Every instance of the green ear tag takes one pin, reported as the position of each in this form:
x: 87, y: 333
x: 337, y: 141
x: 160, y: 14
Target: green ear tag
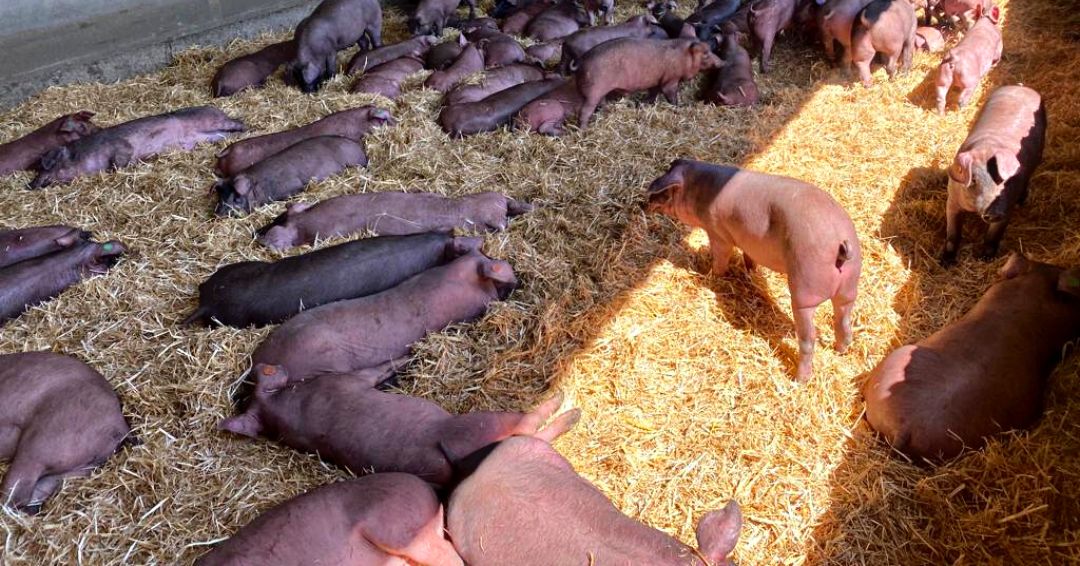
x: 107, y: 247
x: 1072, y: 281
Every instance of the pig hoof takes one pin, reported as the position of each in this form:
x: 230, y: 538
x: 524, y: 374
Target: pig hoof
x: 988, y: 253
x: 948, y: 258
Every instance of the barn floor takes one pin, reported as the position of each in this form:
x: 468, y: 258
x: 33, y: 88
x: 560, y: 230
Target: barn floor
x: 684, y: 379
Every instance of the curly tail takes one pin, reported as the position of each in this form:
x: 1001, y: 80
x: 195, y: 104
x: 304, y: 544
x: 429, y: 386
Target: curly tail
x: 843, y: 254
x: 198, y: 316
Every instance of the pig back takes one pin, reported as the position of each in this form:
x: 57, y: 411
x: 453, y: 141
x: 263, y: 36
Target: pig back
x: 1012, y: 121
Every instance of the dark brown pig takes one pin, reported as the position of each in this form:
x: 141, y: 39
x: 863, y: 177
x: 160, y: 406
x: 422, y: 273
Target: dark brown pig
x: 286, y: 173
x: 547, y: 53
x: 124, y: 144
x: 967, y: 63
x: 526, y: 505
x: 353, y: 124
x: 24, y: 154
x: 966, y: 12
x: 416, y: 47
x: 431, y: 16
x: 385, y: 80
x: 494, y: 80
x: 333, y: 26
x: 547, y: 114
x: 663, y: 14
x: 886, y: 27
x: 254, y: 293
x: 494, y: 111
x: 444, y: 54
x: 990, y: 173
x: 501, y: 50
x: 470, y: 61
x: 982, y: 375
x: 516, y: 23
x: 708, y: 18
x: 251, y: 70
x: 580, y: 42
x: 33, y: 281
x: 836, y: 19
x: 557, y: 21
x: 58, y: 419
x: 376, y: 519
x: 27, y: 243
x: 733, y: 83
x: 929, y: 39
x: 784, y: 224
x: 766, y: 19
x: 389, y: 214
x: 633, y: 64
x: 369, y: 331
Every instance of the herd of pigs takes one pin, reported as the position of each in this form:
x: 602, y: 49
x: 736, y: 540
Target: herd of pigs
x: 350, y: 313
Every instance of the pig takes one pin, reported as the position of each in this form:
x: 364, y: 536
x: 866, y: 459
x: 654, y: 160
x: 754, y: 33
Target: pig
x: 836, y: 19
x: 547, y: 53
x: 494, y: 111
x: 353, y: 124
x: 431, y: 16
x: 470, y: 61
x: 251, y: 70
x: 929, y: 8
x: 556, y: 22
x: 500, y: 51
x: 992, y: 168
x: 385, y: 80
x: 596, y: 8
x: 59, y: 419
x: 346, y: 420
x: 766, y: 19
x: 966, y: 12
x: 376, y: 519
x: 967, y: 63
x: 29, y: 243
x: 416, y: 48
x: 365, y: 332
x: 526, y: 505
x: 707, y: 18
x: 547, y: 114
x: 507, y: 8
x: 984, y: 374
x: 886, y: 27
x: 34, y: 281
x: 580, y: 42
x: 658, y: 65
x: 444, y: 54
x: 286, y: 173
x: 124, y: 144
x: 929, y: 39
x: 473, y: 25
x: 516, y: 23
x: 662, y: 13
x: 785, y: 224
x: 733, y: 83
x: 493, y: 81
x: 24, y: 154
x: 256, y: 293
x: 333, y: 26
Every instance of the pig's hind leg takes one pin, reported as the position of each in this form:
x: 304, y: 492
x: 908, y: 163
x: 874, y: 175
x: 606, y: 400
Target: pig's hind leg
x: 17, y: 489
x: 807, y: 336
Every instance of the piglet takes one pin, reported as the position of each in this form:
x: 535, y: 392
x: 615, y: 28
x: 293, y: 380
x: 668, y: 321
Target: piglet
x: 983, y: 374
x: 431, y: 16
x: 886, y: 27
x: 496, y: 110
x: 560, y: 20
x: 766, y: 19
x: 470, y: 61
x: 577, y: 44
x: 416, y: 48
x: 286, y: 173
x: 34, y: 281
x: 836, y: 19
x: 516, y: 23
x: 385, y: 80
x: 597, y: 8
x: 333, y: 26
x: 965, y: 11
x: 547, y: 53
x: 60, y: 419
x: 251, y: 70
x: 710, y: 16
x: 444, y: 54
x: 376, y: 519
x: 547, y: 114
x: 24, y: 154
x: 493, y: 81
x: 929, y: 39
x: 28, y: 243
x: 526, y: 505
x: 991, y: 171
x: 500, y: 50
x: 784, y: 224
x: 733, y: 83
x: 967, y: 63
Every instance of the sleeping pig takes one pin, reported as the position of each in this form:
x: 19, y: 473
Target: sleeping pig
x: 494, y: 111
x: 967, y: 63
x: 929, y: 39
x: 431, y: 16
x: 468, y: 62
x: 886, y: 27
x: 333, y: 26
x: 28, y: 243
x: 60, y: 419
x: 784, y: 224
x: 560, y: 20
x: 733, y: 83
x: 286, y: 173
x: 385, y: 80
x: 416, y: 47
x: 547, y: 114
x: 34, y: 281
x: 492, y: 81
x: 547, y: 53
x: 577, y: 44
x: 25, y: 153
x: 984, y: 374
x: 443, y: 55
x: 500, y: 49
x: 515, y: 23
x: 251, y: 70
x: 990, y: 173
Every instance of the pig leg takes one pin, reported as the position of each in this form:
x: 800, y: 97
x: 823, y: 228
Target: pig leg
x: 559, y: 425
x: 864, y: 73
x: 472, y: 8
x: 992, y: 242
x: 766, y: 51
x: 17, y: 489
x: 588, y: 106
x: 942, y: 93
x: 829, y: 43
x: 965, y: 96
x: 954, y: 225
x: 671, y: 92
x: 472, y: 431
x: 842, y: 308
x: 807, y: 335
x: 429, y: 547
x: 721, y: 250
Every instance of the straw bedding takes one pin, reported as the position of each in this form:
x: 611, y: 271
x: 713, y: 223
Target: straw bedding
x: 684, y: 379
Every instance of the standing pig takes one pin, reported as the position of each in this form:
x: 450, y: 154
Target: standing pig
x: 251, y: 70
x: 493, y: 81
x: 767, y: 18
x: 34, y: 281
x: 29, y: 243
x: 965, y: 11
x: 124, y: 144
x: 991, y: 171
x: 333, y: 26
x: 547, y: 114
x: 733, y: 83
x: 929, y: 39
x: 431, y: 16
x: 470, y: 61
x: 416, y: 48
x: 60, y: 419
x: 886, y: 27
x: 444, y: 54
x: 25, y: 153
x: 968, y: 62
x: 577, y: 44
x: 983, y: 374
x: 526, y: 505
x: 286, y: 173
x: 385, y: 80
x: 784, y: 224
x: 836, y: 19
x: 496, y: 110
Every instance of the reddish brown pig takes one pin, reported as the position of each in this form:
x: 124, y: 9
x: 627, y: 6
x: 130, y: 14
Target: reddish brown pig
x: 983, y: 374
x: 929, y: 39
x: 470, y: 61
x: 836, y: 19
x: 547, y: 53
x: 784, y: 224
x: 333, y: 26
x: 58, y: 419
x: 416, y: 48
x: 516, y: 23
x: 766, y: 19
x: 444, y: 54
x: 501, y: 50
x: 431, y: 16
x: 966, y: 12
x: 560, y: 20
x: 733, y: 83
x: 991, y: 171
x: 547, y: 114
x: 251, y: 70
x: 385, y: 80
x: 526, y: 505
x: 24, y: 154
x: 494, y: 111
x: 494, y: 80
x: 353, y: 124
x: 632, y: 64
x: 886, y: 27
x: 580, y: 42
x: 967, y: 63
x: 377, y: 519
x: 28, y: 243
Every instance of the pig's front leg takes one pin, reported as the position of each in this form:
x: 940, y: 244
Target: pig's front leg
x: 17, y: 489
x: 807, y: 335
x: 721, y: 249
x: 954, y: 224
x: 671, y: 92
x: 992, y: 242
x: 965, y: 96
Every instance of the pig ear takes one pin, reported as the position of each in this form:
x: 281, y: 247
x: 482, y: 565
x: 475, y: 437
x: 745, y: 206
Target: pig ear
x: 269, y: 378
x: 67, y: 240
x: 462, y: 40
x: 994, y: 15
x: 961, y: 169
x: 1003, y: 166
x: 1016, y: 265
x: 717, y: 532
x: 296, y: 207
x: 1069, y: 282
x: 246, y: 424
x: 72, y: 123
x: 497, y: 270
x: 52, y: 158
x: 241, y: 185
x: 463, y: 245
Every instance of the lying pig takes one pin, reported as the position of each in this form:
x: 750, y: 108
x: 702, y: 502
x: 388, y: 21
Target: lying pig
x: 333, y: 26
x: 24, y: 154
x: 710, y: 16
x: 389, y: 214
x: 547, y: 114
x: 886, y: 27
x: 60, y: 419
x: 766, y: 19
x: 983, y: 374
x: 28, y: 243
x: 416, y: 48
x: 431, y: 16
x: 991, y: 171
x: 837, y: 17
x: 967, y: 63
x: 34, y: 281
x: 500, y: 51
x: 658, y: 64
x: 385, y: 80
x: 733, y: 83
x: 473, y: 25
x: 286, y: 173
x: 494, y: 111
x: 596, y: 8
x: 251, y: 70
x: 965, y: 11
x: 346, y: 420
x: 523, y: 482
x: 470, y: 61
x: 547, y: 53
x: 494, y: 80
x: 557, y: 21
x: 369, y: 331
x: 376, y: 519
x: 255, y: 293
x: 444, y: 54
x: 516, y: 23
x: 580, y: 42
x: 784, y: 224
x: 929, y: 39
